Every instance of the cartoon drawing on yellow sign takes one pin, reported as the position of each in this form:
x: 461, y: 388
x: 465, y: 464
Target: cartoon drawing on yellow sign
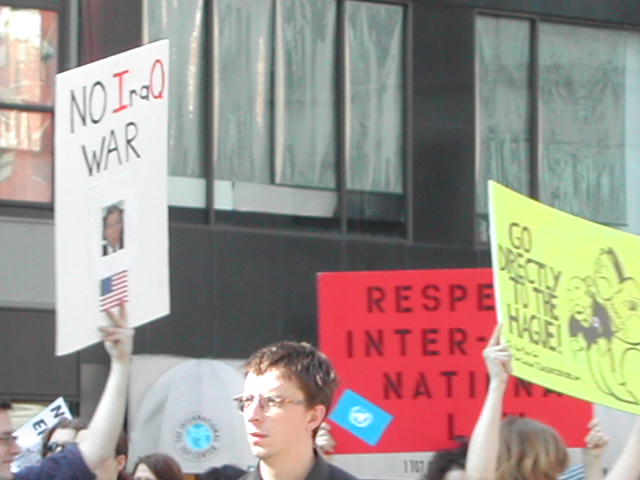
x: 571, y: 310
x: 604, y: 306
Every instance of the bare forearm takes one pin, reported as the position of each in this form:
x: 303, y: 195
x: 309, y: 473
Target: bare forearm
x: 108, y: 419
x: 482, y: 455
x: 627, y: 466
x: 592, y: 466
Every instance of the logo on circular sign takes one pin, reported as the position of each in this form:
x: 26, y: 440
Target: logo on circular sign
x: 360, y: 417
x: 197, y: 437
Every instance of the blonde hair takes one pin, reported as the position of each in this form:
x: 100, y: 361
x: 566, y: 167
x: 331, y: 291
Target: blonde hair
x: 530, y: 450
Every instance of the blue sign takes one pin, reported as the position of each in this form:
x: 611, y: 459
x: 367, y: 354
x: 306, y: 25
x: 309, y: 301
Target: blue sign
x: 362, y: 418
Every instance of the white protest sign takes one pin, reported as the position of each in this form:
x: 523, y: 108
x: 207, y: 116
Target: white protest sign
x: 30, y: 434
x: 111, y: 193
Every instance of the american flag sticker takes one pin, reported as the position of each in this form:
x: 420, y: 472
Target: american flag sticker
x: 114, y: 290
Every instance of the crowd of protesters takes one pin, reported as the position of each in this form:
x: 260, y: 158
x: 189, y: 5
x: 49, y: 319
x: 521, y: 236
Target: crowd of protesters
x: 288, y: 391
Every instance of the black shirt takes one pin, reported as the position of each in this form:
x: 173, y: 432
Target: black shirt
x: 321, y: 470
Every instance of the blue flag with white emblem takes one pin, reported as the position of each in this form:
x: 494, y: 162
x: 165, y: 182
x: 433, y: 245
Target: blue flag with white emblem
x: 362, y: 418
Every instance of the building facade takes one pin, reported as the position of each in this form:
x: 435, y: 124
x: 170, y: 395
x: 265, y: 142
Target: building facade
x: 310, y: 136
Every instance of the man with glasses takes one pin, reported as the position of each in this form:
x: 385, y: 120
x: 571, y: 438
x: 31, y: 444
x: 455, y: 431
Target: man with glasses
x: 288, y: 391
x: 9, y: 448
x: 113, y: 230
x: 80, y: 461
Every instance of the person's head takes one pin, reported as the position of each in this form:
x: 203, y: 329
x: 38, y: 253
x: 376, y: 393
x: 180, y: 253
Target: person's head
x: 288, y: 389
x: 530, y: 450
x: 580, y: 300
x: 157, y: 466
x: 447, y: 464
x: 61, y: 434
x: 113, y: 226
x: 626, y: 309
x: 9, y: 449
x: 112, y: 468
x: 607, y: 274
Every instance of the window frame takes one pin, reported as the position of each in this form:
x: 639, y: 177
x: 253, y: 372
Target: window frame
x: 229, y: 199
x: 31, y: 209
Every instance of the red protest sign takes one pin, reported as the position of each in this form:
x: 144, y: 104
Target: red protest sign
x: 410, y: 343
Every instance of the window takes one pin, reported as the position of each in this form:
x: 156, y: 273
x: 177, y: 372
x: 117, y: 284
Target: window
x: 583, y: 91
x: 374, y: 97
x: 276, y: 136
x: 504, y: 109
x: 374, y: 83
x: 558, y: 125
x: 28, y: 64
x: 307, y: 102
x: 183, y: 23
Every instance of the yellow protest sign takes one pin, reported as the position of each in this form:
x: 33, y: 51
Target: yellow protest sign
x: 568, y: 298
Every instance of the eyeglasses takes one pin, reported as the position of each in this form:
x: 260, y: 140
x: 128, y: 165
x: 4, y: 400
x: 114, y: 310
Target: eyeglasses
x: 8, y: 438
x: 53, y: 447
x: 266, y: 402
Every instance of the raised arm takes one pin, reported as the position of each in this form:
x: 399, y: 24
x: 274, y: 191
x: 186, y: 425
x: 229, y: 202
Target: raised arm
x: 596, y: 441
x: 99, y: 444
x: 627, y: 466
x: 482, y: 455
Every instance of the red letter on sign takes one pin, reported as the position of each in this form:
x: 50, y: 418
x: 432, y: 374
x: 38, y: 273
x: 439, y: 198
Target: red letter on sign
x: 120, y: 76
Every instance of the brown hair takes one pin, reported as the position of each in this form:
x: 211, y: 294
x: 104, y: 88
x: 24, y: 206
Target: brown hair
x: 530, y: 450
x: 163, y: 466
x: 302, y: 363
x: 445, y: 461
x: 76, y: 424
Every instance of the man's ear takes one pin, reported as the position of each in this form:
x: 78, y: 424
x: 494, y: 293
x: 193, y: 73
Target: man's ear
x: 316, y: 416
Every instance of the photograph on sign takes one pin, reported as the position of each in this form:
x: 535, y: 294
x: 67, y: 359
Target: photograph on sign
x: 111, y: 228
x: 113, y: 231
